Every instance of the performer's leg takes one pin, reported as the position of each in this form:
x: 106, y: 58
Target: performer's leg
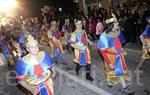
x: 88, y: 72
x: 56, y: 59
x: 77, y: 68
x: 139, y: 67
x: 67, y: 47
x: 63, y: 59
x: 97, y: 37
x: 142, y: 39
x: 124, y: 86
x: 123, y: 83
x: 72, y: 49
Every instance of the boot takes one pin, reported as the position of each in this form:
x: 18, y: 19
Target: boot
x: 64, y: 63
x: 110, y: 84
x: 56, y: 62
x: 88, y: 77
x: 88, y: 70
x: 68, y: 48
x: 77, y: 69
x: 77, y: 72
x: 128, y: 91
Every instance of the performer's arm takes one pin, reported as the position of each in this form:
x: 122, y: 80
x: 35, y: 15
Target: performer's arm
x: 104, y: 53
x: 78, y: 46
x: 52, y: 69
x: 53, y: 72
x: 50, y: 38
x: 21, y: 70
x: 74, y: 44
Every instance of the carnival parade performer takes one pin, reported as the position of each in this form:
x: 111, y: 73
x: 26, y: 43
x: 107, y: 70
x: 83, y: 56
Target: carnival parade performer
x: 67, y: 29
x: 33, y: 71
x: 79, y: 42
x: 110, y: 48
x: 145, y: 39
x: 7, y: 51
x: 3, y: 60
x: 54, y: 39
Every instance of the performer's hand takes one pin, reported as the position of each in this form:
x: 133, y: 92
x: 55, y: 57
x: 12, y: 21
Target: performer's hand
x: 90, y: 42
x: 84, y: 48
x: 53, y: 75
x: 145, y: 47
x: 111, y: 66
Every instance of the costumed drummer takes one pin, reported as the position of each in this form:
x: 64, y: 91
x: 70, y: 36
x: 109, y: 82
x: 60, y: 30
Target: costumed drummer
x: 33, y: 71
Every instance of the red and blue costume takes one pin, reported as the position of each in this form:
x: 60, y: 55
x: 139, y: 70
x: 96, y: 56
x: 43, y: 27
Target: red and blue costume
x: 111, y: 50
x: 78, y: 41
x: 24, y: 68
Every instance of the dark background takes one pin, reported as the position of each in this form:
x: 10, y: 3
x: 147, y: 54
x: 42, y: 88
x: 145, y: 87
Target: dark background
x: 30, y: 8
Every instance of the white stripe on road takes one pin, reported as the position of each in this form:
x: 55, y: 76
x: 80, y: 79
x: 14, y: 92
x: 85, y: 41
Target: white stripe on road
x: 83, y: 83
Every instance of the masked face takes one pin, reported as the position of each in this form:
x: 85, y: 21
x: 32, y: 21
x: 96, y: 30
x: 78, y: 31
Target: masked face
x: 115, y: 27
x: 54, y: 23
x: 79, y: 25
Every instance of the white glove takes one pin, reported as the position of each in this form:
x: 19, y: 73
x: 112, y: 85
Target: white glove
x: 84, y: 48
x: 111, y: 66
x: 53, y: 75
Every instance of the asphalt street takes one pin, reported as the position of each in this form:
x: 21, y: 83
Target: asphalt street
x: 67, y: 83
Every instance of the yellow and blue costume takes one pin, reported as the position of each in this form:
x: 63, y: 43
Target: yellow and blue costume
x: 34, y: 70
x: 55, y: 44
x: 145, y: 38
x: 110, y: 48
x: 25, y: 68
x: 78, y: 41
x: 146, y: 43
x: 7, y: 51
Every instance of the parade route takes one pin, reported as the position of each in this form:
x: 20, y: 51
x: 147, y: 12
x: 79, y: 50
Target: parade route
x: 67, y: 83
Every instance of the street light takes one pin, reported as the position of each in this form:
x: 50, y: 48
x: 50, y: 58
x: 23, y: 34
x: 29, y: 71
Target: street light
x: 7, y: 10
x: 7, y: 5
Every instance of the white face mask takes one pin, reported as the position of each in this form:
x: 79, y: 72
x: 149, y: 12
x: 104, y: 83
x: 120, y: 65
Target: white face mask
x: 34, y: 50
x: 116, y: 26
x: 79, y: 25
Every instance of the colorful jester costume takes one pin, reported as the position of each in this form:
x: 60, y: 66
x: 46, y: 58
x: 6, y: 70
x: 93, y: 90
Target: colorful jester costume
x: 35, y: 70
x: 79, y: 42
x: 7, y: 51
x: 67, y: 29
x: 3, y: 60
x: 110, y: 48
x: 55, y: 44
x: 145, y: 37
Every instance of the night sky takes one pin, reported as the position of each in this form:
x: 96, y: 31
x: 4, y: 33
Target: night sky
x: 32, y: 7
